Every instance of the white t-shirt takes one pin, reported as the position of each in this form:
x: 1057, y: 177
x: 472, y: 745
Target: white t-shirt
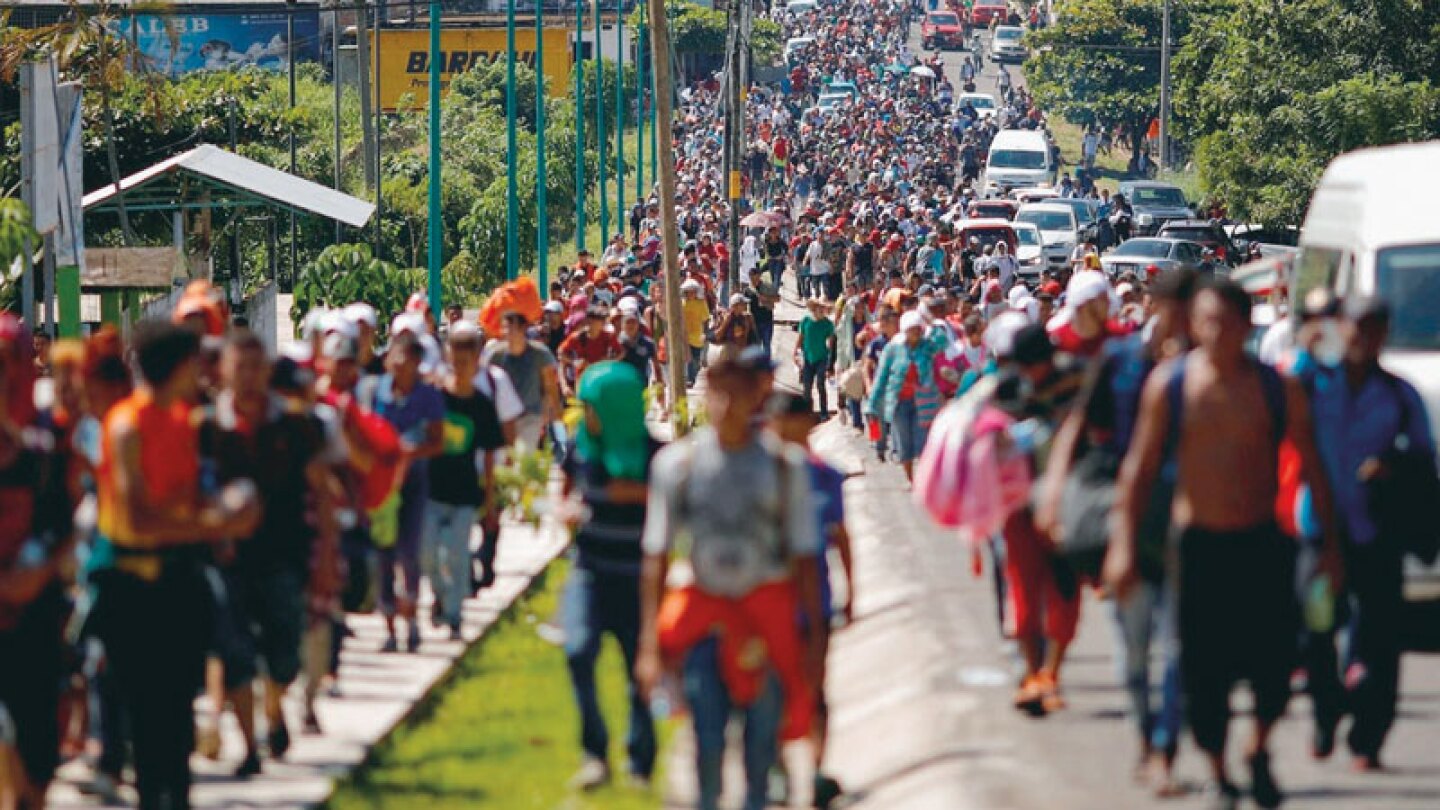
x: 495, y: 383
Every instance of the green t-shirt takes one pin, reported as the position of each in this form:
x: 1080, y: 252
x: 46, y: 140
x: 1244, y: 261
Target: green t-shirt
x: 815, y: 339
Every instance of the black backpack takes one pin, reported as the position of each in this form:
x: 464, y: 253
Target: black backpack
x: 1404, y: 499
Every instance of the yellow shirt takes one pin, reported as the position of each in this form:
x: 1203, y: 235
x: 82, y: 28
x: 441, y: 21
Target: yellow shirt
x: 697, y: 313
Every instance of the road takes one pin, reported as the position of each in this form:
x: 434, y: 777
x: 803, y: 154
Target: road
x: 920, y: 685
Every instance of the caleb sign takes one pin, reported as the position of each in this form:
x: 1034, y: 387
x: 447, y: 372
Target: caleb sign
x: 403, y: 59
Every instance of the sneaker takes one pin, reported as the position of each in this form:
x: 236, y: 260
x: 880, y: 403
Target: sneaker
x: 1262, y: 783
x: 638, y: 782
x: 390, y: 645
x: 1366, y: 763
x: 412, y: 642
x: 249, y: 767
x: 1221, y: 796
x: 593, y: 774
x: 279, y: 740
x: 455, y: 634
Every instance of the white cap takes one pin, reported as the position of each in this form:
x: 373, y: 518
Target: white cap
x: 361, y: 312
x: 554, y: 306
x: 628, y: 306
x: 690, y: 285
x: 1017, y: 297
x: 314, y: 323
x: 911, y: 320
x: 1086, y: 286
x: 464, y: 329
x: 335, y: 322
x: 1000, y: 334
x: 1124, y: 289
x: 412, y: 322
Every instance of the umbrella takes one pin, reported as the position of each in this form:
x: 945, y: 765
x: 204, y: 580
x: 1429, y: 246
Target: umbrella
x: 765, y: 219
x: 921, y: 70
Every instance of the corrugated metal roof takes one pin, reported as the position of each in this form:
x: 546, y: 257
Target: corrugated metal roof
x: 250, y: 177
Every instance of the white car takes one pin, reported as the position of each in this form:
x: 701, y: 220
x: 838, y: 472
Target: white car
x: 828, y: 102
x: 1031, y: 252
x: 797, y: 7
x: 1006, y: 45
x: 984, y: 103
x: 1058, y: 229
x: 795, y: 45
x: 1034, y: 194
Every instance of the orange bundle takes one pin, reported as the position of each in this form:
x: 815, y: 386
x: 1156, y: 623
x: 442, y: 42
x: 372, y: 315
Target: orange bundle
x: 520, y: 296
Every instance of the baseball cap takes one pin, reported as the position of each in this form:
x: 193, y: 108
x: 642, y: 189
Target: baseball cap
x: 1086, y: 286
x: 911, y: 320
x: 362, y: 313
x: 755, y: 359
x: 340, y: 347
x: 554, y: 306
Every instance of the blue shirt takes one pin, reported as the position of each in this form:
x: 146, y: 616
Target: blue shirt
x: 1353, y: 426
x: 828, y: 485
x: 411, y: 416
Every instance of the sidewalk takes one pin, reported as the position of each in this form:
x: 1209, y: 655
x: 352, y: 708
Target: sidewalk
x: 377, y: 693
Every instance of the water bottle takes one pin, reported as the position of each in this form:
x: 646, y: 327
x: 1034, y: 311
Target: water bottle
x: 660, y: 703
x: 1030, y: 434
x: 1319, y: 605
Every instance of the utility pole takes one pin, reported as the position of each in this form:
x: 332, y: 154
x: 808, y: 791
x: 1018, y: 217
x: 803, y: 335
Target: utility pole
x: 640, y: 110
x: 381, y: 15
x: 362, y: 62
x: 335, y: 85
x: 1165, y: 86
x: 734, y: 140
x: 290, y: 64
x: 669, y: 232
x: 433, y: 255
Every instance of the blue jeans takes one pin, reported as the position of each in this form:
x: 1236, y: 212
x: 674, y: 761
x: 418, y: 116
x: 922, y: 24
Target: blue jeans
x: 905, y: 427
x: 1149, y: 614
x: 710, y: 709
x: 596, y: 603
x: 446, y: 555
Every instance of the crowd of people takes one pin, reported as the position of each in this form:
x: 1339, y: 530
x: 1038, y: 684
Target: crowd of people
x: 190, y: 513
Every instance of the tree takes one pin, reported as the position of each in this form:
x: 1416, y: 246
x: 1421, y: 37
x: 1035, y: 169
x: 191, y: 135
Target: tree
x: 1270, y: 99
x: 346, y: 273
x: 85, y: 47
x: 1099, y: 65
x: 15, y: 230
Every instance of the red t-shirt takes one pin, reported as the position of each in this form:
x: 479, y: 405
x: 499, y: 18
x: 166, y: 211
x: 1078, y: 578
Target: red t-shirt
x: 912, y: 381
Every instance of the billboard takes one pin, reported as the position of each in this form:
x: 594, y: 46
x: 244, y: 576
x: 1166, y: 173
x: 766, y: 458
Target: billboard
x: 403, y: 56
x: 222, y: 41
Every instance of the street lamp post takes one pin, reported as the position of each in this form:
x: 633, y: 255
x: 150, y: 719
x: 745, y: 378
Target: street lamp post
x: 579, y: 128
x: 620, y: 113
x: 436, y: 235
x: 512, y: 196
x: 542, y: 177
x: 640, y: 109
x: 603, y: 154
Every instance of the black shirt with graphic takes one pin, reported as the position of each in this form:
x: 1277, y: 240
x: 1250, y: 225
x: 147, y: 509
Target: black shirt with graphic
x: 471, y: 425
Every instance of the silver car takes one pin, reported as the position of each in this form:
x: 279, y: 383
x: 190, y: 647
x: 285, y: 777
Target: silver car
x: 1138, y: 255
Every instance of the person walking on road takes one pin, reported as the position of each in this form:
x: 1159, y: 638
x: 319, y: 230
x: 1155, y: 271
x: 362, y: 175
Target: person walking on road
x: 1361, y: 413
x: 1237, y: 614
x: 609, y: 473
x: 815, y: 352
x: 737, y: 504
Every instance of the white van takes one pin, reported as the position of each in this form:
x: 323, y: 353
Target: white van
x: 1371, y: 230
x: 1018, y: 157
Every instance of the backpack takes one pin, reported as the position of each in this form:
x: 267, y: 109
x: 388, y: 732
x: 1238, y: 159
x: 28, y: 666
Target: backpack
x: 1404, y: 499
x: 380, y: 468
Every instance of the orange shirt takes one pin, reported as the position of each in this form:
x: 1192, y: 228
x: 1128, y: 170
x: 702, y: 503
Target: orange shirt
x: 169, y: 465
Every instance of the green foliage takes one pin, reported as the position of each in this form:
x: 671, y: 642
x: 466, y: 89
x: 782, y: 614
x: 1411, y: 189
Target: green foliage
x: 15, y: 229
x: 1269, y: 99
x: 1100, y: 64
x: 345, y: 273
x: 695, y: 29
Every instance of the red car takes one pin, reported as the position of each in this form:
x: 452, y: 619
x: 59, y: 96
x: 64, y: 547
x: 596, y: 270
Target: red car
x: 942, y: 29
x: 992, y: 209
x: 983, y: 13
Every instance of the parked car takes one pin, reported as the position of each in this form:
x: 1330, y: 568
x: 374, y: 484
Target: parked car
x: 1207, y: 233
x: 1006, y: 45
x: 1031, y: 252
x: 992, y: 209
x: 984, y: 103
x: 1140, y: 254
x: 843, y: 87
x: 941, y: 29
x: 1155, y: 203
x: 1058, y: 229
x: 986, y: 10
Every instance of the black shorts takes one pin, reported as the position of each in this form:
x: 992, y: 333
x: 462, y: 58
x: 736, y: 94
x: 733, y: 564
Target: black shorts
x: 30, y: 668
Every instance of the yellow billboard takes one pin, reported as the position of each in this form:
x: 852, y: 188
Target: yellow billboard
x: 403, y: 56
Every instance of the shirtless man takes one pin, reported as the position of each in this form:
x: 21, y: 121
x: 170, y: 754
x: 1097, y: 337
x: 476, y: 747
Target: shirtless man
x: 1213, y: 419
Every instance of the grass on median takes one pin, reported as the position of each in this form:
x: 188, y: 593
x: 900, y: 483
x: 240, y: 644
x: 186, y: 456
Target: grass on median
x: 503, y: 731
